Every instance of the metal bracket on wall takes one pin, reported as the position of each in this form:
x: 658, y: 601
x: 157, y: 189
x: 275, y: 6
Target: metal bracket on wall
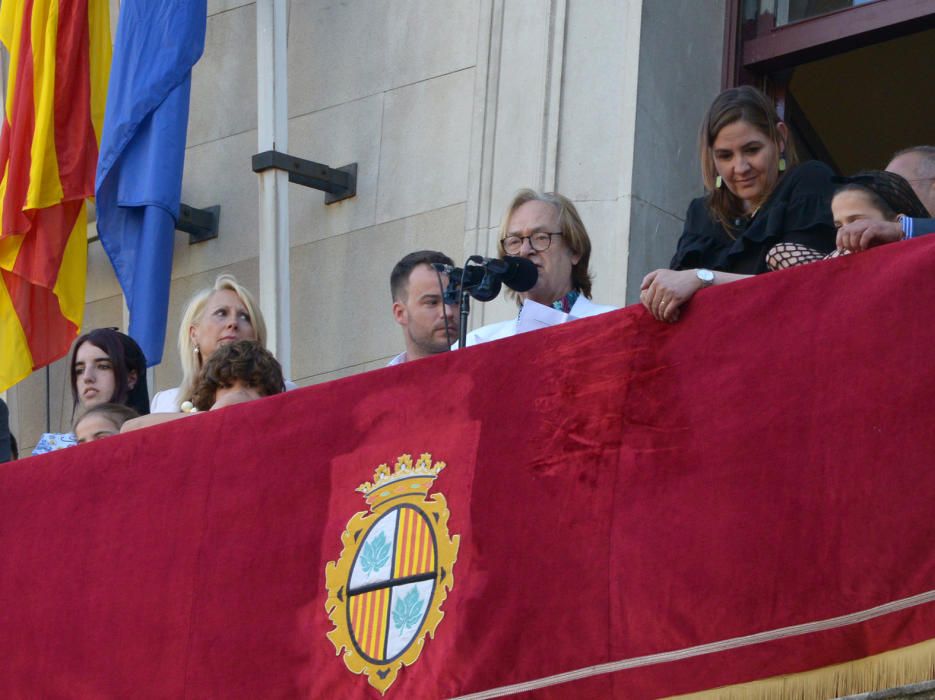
x: 336, y: 183
x: 199, y: 224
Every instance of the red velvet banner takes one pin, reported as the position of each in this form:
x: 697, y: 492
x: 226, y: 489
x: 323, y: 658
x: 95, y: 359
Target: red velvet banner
x: 648, y: 509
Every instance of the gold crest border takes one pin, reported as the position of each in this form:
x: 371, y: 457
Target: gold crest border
x: 337, y: 575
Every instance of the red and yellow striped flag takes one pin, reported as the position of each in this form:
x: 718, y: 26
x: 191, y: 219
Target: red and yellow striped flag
x: 54, y: 110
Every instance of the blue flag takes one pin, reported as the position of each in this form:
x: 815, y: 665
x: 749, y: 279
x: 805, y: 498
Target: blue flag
x: 139, y: 171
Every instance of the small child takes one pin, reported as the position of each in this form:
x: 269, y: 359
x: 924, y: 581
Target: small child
x: 101, y: 421
x: 237, y: 372
x: 877, y: 195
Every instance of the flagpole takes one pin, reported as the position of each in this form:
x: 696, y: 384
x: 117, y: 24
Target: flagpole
x: 272, y: 135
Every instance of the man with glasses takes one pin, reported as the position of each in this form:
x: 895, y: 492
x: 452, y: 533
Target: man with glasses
x: 429, y: 325
x: 917, y: 166
x: 546, y: 229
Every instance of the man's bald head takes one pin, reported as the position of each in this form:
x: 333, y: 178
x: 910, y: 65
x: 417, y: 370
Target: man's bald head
x: 917, y: 165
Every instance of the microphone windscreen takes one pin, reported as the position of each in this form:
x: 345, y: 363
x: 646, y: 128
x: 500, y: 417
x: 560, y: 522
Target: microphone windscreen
x: 521, y: 274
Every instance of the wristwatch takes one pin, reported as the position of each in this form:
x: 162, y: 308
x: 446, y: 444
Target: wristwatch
x: 706, y: 277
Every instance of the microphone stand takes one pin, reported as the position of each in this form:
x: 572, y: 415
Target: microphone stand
x: 465, y: 310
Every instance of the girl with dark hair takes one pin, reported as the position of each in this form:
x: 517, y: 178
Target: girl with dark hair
x: 106, y: 367
x: 871, y: 195
x: 888, y: 194
x: 757, y: 195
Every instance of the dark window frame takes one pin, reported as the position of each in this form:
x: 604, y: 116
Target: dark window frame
x: 772, y: 48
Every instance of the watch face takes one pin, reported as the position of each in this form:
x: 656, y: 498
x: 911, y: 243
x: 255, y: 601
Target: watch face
x: 705, y: 276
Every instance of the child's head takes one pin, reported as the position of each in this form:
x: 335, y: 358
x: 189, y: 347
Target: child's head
x: 876, y: 195
x: 102, y: 420
x: 242, y: 365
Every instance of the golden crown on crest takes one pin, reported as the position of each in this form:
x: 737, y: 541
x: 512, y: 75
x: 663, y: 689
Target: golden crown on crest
x: 406, y: 479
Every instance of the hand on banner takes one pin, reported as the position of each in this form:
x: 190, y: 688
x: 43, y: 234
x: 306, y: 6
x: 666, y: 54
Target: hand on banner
x: 664, y: 291
x: 864, y: 233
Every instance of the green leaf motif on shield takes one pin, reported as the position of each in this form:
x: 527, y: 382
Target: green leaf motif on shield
x: 407, y: 612
x: 375, y: 554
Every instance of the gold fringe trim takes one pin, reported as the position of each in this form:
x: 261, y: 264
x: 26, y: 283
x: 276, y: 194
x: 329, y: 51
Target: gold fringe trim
x: 890, y: 669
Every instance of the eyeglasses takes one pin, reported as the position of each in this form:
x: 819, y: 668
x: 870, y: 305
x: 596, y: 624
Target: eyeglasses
x: 540, y: 241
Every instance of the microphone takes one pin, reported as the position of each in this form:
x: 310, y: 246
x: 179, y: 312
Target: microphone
x: 517, y: 273
x: 482, y: 279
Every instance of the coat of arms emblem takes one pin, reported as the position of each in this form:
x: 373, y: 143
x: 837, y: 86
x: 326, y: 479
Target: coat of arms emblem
x: 386, y: 590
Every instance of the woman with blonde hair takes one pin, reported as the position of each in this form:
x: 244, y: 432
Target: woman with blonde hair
x: 215, y: 316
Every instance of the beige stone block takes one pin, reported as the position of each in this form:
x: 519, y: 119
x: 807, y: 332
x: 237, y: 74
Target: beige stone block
x: 114, y: 7
x: 60, y: 399
x: 218, y: 6
x: 609, y: 246
x: 678, y: 81
x: 654, y: 234
x: 425, y: 145
x: 102, y: 281
x: 337, y: 52
x: 348, y: 133
x: 518, y: 154
x: 223, y: 100
x: 219, y: 172
x: 592, y: 127
x: 341, y: 306
x: 427, y: 38
x: 104, y: 313
x: 27, y: 402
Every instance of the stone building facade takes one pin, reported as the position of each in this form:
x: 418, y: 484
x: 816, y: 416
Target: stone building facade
x: 447, y: 108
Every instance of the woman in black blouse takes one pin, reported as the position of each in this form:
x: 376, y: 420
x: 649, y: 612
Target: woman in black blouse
x: 757, y: 196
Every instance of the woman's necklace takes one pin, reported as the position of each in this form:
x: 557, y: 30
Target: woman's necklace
x: 742, y: 222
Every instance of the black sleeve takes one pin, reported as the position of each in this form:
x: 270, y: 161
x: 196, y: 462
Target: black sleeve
x: 5, y: 452
x: 695, y: 241
x: 802, y: 211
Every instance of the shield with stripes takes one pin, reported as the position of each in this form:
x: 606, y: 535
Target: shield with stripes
x: 387, y: 587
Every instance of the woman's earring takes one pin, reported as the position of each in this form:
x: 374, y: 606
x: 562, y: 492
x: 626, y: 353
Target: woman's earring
x: 718, y: 182
x: 197, y: 350
x: 782, y: 164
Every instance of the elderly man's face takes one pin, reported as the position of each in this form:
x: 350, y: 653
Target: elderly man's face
x: 911, y: 167
x: 554, y: 264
